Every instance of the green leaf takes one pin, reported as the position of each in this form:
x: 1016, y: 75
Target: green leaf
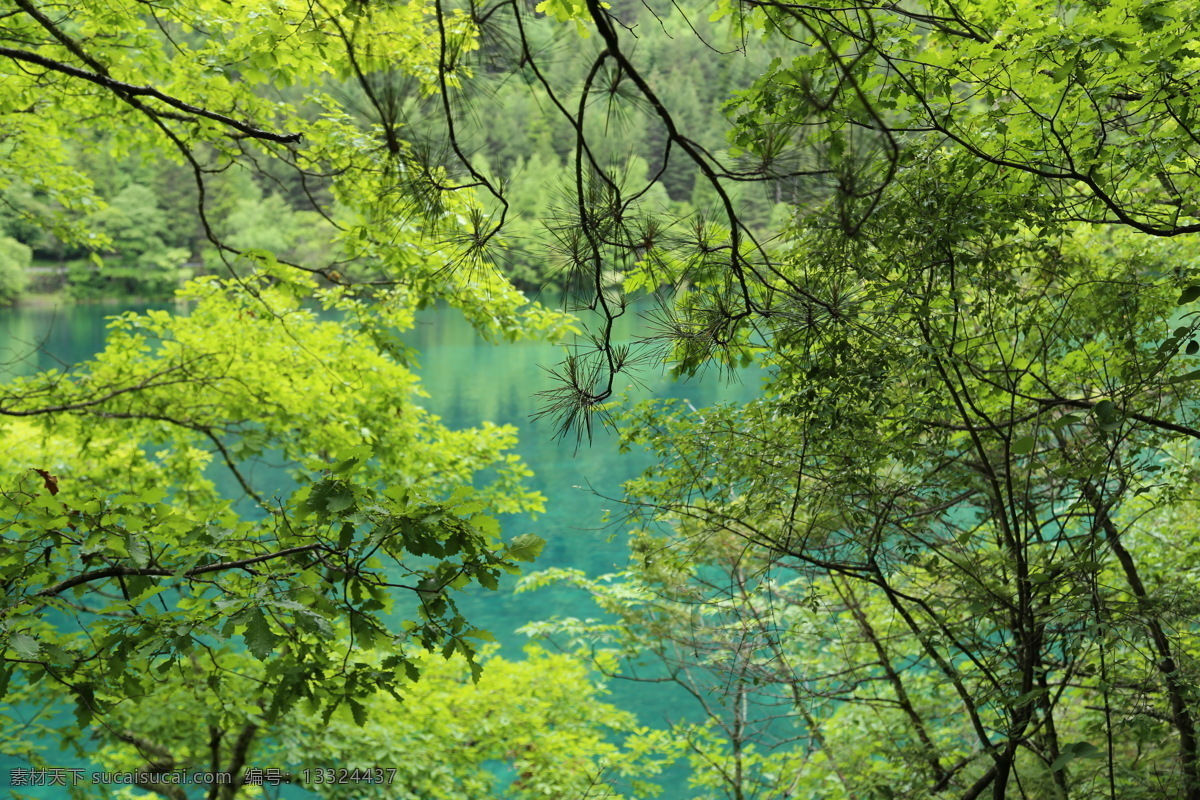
x: 351, y: 458
x: 1106, y: 414
x: 85, y: 704
x: 358, y: 710
x: 526, y: 547
x: 1029, y: 697
x: 487, y: 580
x: 1073, y: 751
x: 330, y: 496
x: 1188, y: 295
x: 260, y: 639
x: 346, y: 536
x: 1023, y: 446
x: 25, y: 646
x: 1187, y: 376
x: 1065, y: 420
x: 137, y: 550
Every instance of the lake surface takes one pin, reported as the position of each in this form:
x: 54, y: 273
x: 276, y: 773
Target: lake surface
x: 469, y: 381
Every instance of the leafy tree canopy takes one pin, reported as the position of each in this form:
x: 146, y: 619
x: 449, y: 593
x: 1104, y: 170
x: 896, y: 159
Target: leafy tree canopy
x: 958, y: 517
x: 126, y: 568
x: 948, y: 547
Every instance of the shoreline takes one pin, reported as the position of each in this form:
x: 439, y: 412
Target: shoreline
x: 61, y: 299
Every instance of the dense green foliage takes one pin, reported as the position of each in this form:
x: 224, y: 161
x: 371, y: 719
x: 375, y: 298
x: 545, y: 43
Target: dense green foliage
x: 950, y: 550
x: 117, y: 494
x: 141, y: 211
x: 951, y: 547
x: 126, y: 570
x: 441, y: 742
x: 15, y: 259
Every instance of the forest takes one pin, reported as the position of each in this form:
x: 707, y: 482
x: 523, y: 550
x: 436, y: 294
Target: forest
x: 945, y: 547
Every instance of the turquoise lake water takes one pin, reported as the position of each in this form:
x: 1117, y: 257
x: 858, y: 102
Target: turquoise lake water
x: 469, y: 381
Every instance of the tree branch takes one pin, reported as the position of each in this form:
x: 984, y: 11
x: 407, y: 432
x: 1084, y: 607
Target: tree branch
x: 122, y: 571
x: 128, y: 92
